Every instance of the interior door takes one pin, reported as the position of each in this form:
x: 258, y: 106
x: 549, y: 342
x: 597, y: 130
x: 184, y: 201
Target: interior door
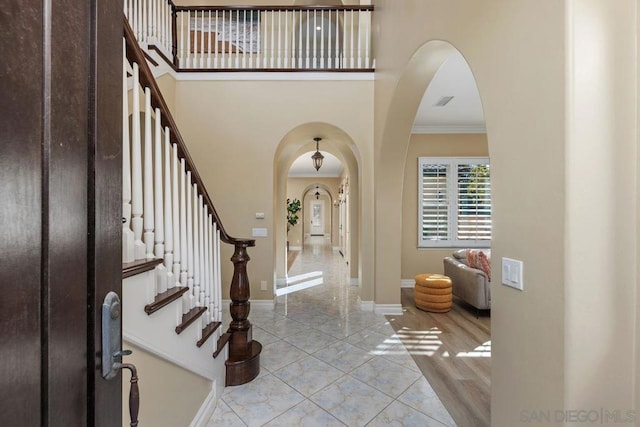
x: 60, y: 169
x: 317, y: 218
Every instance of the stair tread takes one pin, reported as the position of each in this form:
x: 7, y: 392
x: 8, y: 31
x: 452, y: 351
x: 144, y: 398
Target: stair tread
x: 136, y: 267
x: 207, y: 332
x: 165, y: 298
x: 190, y: 317
x: 222, y: 341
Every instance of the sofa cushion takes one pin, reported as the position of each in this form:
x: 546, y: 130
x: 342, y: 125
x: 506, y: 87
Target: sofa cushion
x: 461, y: 255
x: 480, y: 260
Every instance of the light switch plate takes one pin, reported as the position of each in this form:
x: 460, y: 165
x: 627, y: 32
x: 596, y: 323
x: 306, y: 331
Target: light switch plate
x: 512, y: 273
x: 259, y: 215
x: 259, y: 232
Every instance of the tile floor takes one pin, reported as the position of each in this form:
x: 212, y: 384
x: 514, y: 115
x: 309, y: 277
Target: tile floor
x: 327, y: 363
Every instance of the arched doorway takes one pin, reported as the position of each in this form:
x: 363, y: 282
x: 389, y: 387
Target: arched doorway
x: 299, y: 142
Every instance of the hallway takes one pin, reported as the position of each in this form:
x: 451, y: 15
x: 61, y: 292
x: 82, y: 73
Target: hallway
x: 325, y: 362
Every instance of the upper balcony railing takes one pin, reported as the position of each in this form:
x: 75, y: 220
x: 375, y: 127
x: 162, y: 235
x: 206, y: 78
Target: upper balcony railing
x: 247, y: 38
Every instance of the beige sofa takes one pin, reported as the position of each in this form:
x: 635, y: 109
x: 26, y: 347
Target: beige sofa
x: 469, y: 284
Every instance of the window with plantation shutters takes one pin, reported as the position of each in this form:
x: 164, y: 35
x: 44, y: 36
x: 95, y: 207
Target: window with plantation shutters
x: 454, y: 202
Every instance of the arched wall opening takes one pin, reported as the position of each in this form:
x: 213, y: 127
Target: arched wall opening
x: 295, y: 143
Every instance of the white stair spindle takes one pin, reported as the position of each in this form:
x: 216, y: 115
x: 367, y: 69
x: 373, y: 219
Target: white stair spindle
x: 196, y: 247
x: 147, y: 191
x: 224, y: 39
x: 273, y: 40
x: 215, y: 48
x: 203, y: 244
x: 322, y: 64
x: 144, y: 23
x: 336, y: 63
x: 150, y: 23
x: 351, y: 31
x: 175, y: 199
x: 218, y: 276
x: 251, y: 41
x: 188, y: 60
x: 181, y: 42
x: 207, y: 263
x: 127, y: 234
x: 195, y: 40
x: 367, y: 38
x: 307, y: 63
x: 293, y: 61
x: 202, y: 49
x: 359, y: 40
x: 244, y: 39
x: 190, y: 241
x: 137, y: 207
x: 279, y: 39
x: 214, y: 271
x: 265, y: 45
x: 286, y: 39
x: 209, y: 40
x: 329, y: 55
x: 184, y: 257
x: 161, y: 271
x: 168, y: 212
x: 315, y: 39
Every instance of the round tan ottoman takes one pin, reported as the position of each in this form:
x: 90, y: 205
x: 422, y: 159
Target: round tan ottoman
x: 433, y: 293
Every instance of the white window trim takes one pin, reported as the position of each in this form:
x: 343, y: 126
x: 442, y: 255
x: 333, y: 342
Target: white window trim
x: 452, y: 163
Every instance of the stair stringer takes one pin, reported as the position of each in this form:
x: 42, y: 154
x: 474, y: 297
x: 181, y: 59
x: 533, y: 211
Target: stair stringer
x: 156, y: 334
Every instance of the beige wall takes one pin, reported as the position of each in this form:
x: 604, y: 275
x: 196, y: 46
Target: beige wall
x: 169, y: 395
x: 234, y: 130
x: 422, y: 260
x: 566, y: 340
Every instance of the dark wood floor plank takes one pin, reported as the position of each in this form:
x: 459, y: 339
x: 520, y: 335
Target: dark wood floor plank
x: 445, y: 347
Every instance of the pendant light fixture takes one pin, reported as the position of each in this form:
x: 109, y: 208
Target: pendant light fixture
x: 317, y: 156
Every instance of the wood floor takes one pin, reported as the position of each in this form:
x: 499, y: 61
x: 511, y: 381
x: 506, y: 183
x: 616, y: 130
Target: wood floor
x: 453, y: 352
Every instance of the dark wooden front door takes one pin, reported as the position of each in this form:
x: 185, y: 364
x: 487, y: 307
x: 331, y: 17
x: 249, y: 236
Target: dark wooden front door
x: 60, y: 208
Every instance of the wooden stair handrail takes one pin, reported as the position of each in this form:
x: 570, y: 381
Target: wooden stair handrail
x: 135, y: 54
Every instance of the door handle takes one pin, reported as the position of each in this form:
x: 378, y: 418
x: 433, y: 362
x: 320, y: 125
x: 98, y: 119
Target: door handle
x: 112, y: 352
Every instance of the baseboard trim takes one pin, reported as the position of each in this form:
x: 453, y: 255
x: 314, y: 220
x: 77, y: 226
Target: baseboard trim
x: 206, y: 409
x: 390, y: 309
x: 367, y: 305
x: 407, y: 283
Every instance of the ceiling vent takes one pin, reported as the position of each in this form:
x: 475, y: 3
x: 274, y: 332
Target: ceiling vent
x: 443, y: 101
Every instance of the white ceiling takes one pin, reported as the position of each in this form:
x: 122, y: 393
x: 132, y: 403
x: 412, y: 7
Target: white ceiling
x: 463, y: 114
x: 302, y: 167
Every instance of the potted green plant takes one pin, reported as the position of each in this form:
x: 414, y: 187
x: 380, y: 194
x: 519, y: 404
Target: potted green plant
x: 293, y: 207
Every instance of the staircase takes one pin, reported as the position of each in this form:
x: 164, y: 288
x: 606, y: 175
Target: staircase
x: 172, y: 290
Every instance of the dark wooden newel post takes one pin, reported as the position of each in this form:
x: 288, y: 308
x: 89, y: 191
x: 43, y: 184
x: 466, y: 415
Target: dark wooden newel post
x: 243, y: 364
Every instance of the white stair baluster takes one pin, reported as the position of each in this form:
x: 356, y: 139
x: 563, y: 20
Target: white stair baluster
x: 161, y: 271
x: 273, y: 40
x: 188, y: 63
x: 286, y: 39
x: 367, y: 38
x: 175, y: 199
x: 207, y: 263
x: 315, y: 39
x: 218, y: 273
x: 127, y: 234
x: 336, y: 63
x: 224, y: 39
x: 136, y: 170
x: 209, y: 40
x: 190, y: 241
x: 181, y: 53
x: 279, y: 39
x: 195, y: 40
x: 214, y: 269
x: 251, y: 65
x: 351, y: 31
x: 307, y: 63
x: 196, y: 247
x: 359, y: 40
x: 184, y: 257
x: 147, y: 191
x: 216, y: 41
x: 322, y: 64
x: 168, y: 212
x: 329, y: 55
x: 202, y: 244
